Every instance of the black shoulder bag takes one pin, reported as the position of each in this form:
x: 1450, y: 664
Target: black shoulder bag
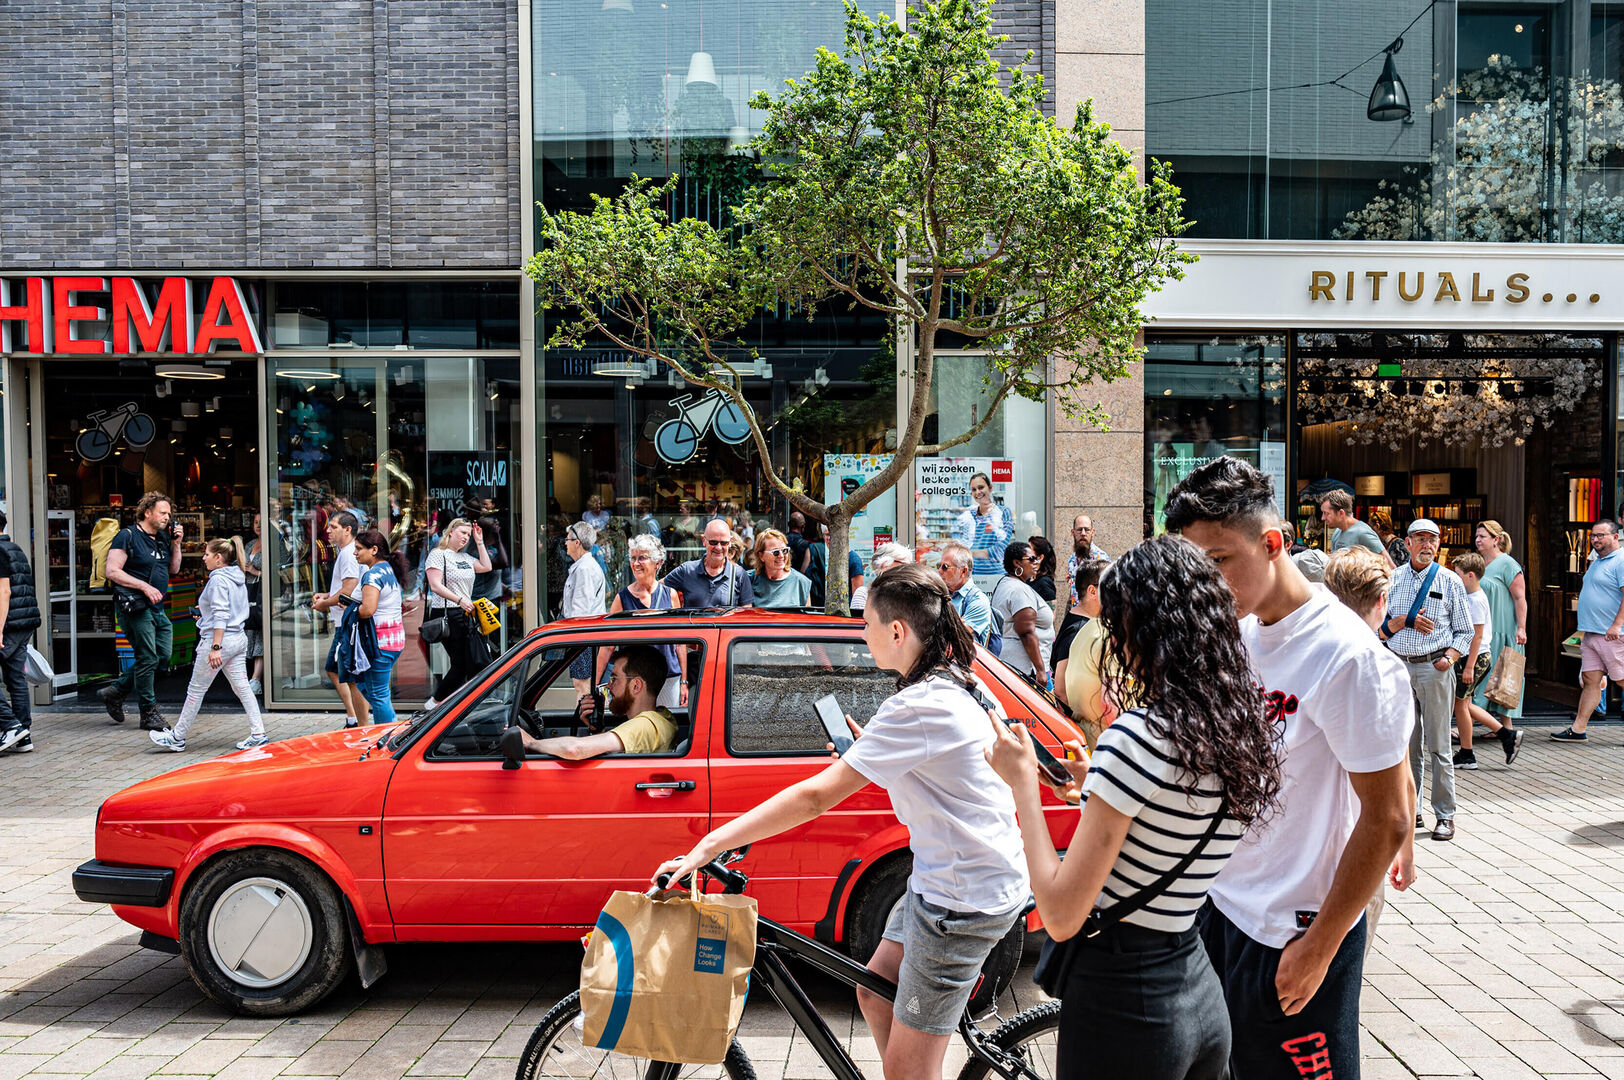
x: 1056, y: 957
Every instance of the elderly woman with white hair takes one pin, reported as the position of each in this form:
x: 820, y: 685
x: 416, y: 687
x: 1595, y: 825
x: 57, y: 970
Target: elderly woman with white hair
x: 583, y: 594
x: 646, y: 555
x: 886, y: 555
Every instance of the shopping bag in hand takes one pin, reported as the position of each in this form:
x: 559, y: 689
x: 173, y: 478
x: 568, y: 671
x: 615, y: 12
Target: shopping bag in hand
x: 666, y: 979
x: 1505, y: 685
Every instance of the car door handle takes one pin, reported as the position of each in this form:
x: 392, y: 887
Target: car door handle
x: 666, y: 785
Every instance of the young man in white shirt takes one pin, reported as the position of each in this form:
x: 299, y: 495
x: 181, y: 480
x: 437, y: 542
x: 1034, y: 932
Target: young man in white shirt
x: 344, y: 588
x: 1284, y: 921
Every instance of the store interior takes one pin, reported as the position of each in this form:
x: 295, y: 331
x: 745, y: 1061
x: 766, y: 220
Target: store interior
x: 113, y: 431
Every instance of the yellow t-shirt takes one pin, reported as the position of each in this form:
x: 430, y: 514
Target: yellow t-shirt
x: 650, y: 732
x: 1085, y: 690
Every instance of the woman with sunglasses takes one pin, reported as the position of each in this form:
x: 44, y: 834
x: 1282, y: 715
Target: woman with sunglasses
x: 776, y: 584
x: 1027, y: 620
x: 647, y: 555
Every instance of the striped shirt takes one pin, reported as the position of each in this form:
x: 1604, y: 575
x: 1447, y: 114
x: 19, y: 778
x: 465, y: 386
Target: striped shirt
x: 1132, y: 770
x: 1447, y: 609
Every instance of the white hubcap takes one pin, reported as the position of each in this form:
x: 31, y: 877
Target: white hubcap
x: 260, y: 932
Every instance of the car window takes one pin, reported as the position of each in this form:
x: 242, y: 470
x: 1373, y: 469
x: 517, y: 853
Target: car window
x: 478, y: 731
x: 773, y: 683
x: 542, y: 698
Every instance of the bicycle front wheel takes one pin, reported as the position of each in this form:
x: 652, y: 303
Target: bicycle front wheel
x: 1030, y: 1038
x: 555, y: 1050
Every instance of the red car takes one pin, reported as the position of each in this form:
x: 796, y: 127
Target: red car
x: 274, y: 870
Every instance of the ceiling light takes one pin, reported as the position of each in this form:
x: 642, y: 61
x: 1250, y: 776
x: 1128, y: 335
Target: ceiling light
x: 187, y: 371
x: 307, y: 373
x: 1388, y: 98
x: 621, y: 368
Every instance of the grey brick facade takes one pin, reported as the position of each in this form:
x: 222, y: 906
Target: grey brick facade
x: 259, y: 133
x: 1030, y: 24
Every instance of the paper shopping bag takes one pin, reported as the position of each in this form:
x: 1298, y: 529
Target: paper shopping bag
x: 666, y: 979
x: 1506, y: 683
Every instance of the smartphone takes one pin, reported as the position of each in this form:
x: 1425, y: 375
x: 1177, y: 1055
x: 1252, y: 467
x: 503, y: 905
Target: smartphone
x: 345, y: 600
x: 833, y: 719
x: 1047, y: 762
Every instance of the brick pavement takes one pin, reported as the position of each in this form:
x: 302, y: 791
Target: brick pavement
x: 1505, y: 960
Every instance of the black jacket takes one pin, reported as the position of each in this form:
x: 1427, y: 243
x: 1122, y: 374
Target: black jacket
x: 24, y: 612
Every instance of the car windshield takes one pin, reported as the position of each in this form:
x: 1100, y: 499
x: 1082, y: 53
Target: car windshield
x: 419, y: 721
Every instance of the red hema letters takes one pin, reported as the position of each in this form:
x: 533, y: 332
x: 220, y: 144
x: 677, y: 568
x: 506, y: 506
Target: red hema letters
x: 48, y: 312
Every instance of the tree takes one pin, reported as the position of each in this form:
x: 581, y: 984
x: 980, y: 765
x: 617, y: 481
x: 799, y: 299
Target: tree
x: 1032, y: 240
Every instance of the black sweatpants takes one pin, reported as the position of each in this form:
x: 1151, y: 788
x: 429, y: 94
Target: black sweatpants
x: 1319, y: 1043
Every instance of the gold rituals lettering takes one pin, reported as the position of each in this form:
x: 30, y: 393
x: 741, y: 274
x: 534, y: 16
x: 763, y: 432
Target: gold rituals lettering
x: 1412, y: 287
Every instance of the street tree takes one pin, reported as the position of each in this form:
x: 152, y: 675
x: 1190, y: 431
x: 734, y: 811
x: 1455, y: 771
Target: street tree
x: 912, y: 176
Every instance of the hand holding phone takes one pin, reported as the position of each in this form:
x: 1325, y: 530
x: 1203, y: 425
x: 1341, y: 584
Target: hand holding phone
x: 1048, y: 764
x: 833, y: 719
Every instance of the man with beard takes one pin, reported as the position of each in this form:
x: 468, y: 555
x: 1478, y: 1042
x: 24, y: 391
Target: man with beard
x: 637, y: 672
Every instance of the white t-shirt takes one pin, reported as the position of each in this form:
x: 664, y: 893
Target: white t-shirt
x: 345, y: 566
x: 924, y: 746
x: 1344, y: 705
x: 1477, y: 603
x: 1009, y: 596
x: 457, y: 574
x: 1132, y: 770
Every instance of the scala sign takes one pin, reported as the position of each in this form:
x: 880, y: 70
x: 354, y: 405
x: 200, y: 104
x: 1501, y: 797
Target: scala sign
x: 162, y: 322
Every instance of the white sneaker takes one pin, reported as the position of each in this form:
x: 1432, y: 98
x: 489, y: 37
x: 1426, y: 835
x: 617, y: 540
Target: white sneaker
x: 252, y: 741
x: 166, y: 740
x: 11, y: 736
x: 256, y: 687
x: 429, y: 704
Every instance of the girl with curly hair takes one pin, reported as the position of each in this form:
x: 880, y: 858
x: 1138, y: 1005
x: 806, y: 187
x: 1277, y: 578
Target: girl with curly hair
x: 1141, y: 998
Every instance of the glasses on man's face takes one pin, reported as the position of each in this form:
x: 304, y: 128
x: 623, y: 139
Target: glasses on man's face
x: 1603, y: 534
x: 716, y: 543
x: 778, y: 552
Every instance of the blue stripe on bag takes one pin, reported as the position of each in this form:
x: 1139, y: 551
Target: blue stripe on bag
x: 621, y: 942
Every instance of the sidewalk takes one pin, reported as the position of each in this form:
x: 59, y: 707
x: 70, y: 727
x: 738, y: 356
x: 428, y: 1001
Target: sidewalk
x: 1505, y: 961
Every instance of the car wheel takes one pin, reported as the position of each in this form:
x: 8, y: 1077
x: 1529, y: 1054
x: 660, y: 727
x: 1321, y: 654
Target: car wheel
x: 882, y: 890
x: 263, y: 932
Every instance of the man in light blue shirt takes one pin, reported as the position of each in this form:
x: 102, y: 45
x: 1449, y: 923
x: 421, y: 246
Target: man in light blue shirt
x: 972, y: 604
x: 1601, y: 617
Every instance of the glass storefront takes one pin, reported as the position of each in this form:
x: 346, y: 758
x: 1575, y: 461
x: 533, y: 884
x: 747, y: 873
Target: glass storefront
x: 407, y: 443
x: 1514, y: 133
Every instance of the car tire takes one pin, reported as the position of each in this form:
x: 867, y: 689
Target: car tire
x: 263, y: 932
x: 880, y: 891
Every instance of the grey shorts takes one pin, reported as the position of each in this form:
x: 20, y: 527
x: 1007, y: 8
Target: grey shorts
x: 942, y: 955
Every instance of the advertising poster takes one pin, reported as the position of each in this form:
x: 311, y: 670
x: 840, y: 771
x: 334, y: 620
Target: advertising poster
x: 942, y: 506
x: 472, y: 484
x: 875, y: 523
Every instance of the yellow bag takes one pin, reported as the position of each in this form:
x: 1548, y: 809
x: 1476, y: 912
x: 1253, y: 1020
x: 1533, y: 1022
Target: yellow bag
x: 666, y: 979
x: 486, y: 615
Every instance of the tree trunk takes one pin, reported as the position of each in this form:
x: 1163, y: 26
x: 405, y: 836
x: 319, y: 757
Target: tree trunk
x: 837, y: 582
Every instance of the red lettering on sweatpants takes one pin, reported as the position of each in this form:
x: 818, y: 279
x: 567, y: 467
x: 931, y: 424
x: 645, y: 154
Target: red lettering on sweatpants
x: 1311, y: 1055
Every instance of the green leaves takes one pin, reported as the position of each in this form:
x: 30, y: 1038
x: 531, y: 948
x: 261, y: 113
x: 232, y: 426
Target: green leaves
x: 1034, y: 240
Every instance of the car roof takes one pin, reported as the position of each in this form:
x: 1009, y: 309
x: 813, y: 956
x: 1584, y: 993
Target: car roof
x: 752, y: 617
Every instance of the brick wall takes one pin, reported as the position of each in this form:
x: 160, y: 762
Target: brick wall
x: 247, y: 133
x: 1030, y: 24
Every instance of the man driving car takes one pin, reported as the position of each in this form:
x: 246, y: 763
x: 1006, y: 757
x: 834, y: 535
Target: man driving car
x: 637, y: 672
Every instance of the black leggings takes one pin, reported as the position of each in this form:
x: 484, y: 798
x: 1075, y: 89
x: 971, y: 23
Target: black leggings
x: 466, y: 651
x: 1143, y: 1004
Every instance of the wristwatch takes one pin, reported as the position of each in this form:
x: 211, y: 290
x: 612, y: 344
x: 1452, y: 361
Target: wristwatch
x: 215, y: 648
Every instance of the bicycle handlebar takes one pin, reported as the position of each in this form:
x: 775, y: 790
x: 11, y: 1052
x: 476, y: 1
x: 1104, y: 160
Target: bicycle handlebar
x: 732, y: 881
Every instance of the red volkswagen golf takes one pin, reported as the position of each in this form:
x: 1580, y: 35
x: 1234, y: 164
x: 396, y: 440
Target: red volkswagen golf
x: 276, y: 871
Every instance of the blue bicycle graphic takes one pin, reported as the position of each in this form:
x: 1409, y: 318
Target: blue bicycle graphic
x: 677, y: 440
x: 107, y: 426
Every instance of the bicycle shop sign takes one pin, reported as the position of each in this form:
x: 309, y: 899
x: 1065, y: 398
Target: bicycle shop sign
x: 135, y: 316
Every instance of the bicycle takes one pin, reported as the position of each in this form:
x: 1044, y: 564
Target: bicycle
x: 677, y: 439
x: 1020, y: 1048
x: 106, y: 426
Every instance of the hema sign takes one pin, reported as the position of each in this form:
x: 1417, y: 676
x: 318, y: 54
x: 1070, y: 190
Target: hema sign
x: 1269, y: 284
x: 145, y: 317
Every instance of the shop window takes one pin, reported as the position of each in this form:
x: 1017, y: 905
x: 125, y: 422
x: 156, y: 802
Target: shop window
x: 387, y: 314
x: 408, y: 444
x: 1207, y: 397
x: 772, y: 686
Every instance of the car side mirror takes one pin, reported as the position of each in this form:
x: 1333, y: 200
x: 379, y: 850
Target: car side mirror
x: 512, y: 745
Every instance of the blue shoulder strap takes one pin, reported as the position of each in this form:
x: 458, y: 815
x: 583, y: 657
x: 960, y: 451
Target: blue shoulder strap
x: 1421, y: 595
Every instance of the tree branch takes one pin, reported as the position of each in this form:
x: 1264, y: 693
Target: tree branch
x: 977, y: 428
